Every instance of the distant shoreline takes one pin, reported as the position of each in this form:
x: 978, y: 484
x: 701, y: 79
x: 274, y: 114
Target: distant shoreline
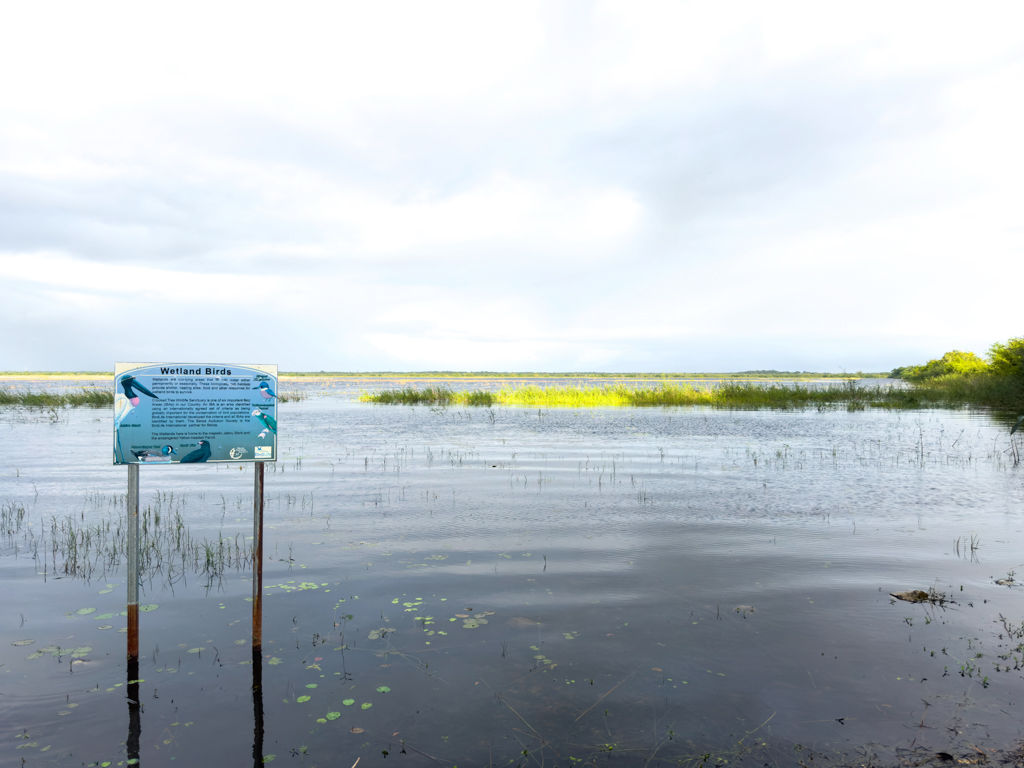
x: 476, y: 376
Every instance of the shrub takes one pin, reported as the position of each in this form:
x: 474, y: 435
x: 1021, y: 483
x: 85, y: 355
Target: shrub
x: 1007, y: 359
x: 955, y: 362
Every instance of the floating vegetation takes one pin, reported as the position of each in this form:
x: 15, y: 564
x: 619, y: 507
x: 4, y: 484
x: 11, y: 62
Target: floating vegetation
x: 349, y: 702
x: 333, y: 715
x: 56, y: 651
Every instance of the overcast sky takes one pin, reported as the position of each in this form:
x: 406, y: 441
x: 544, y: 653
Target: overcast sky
x: 558, y: 186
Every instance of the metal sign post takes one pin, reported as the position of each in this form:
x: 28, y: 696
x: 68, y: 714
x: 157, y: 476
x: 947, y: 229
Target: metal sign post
x: 171, y: 413
x: 132, y: 521
x: 257, y: 559
x: 134, y: 706
x: 257, y: 615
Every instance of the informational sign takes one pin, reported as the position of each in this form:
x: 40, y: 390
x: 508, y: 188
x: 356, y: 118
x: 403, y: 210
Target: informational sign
x: 177, y: 413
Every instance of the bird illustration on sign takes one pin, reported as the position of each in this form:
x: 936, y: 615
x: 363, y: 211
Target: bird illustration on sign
x: 268, y: 421
x: 265, y: 390
x: 152, y: 456
x: 199, y: 455
x: 125, y: 403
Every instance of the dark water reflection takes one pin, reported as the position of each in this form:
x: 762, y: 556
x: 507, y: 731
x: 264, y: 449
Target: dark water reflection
x: 620, y: 551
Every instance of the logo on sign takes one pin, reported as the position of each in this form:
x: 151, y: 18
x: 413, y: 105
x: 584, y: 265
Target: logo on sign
x: 264, y: 451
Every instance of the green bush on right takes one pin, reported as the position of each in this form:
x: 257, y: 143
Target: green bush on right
x: 955, y: 362
x: 1007, y: 359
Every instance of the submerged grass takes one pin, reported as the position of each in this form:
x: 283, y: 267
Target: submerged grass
x: 734, y: 394
x: 69, y: 546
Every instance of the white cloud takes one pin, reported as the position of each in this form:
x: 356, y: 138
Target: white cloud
x: 538, y: 185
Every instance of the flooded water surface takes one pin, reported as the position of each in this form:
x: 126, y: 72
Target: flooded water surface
x: 519, y: 587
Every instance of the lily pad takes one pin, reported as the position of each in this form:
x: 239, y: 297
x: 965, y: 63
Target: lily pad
x: 34, y: 655
x: 23, y: 642
x: 195, y: 650
x: 470, y: 623
x: 104, y: 592
x: 383, y: 689
x: 333, y: 715
x: 274, y: 661
x: 148, y: 608
x: 349, y: 702
x: 78, y: 653
x: 303, y: 699
x: 105, y: 626
x: 366, y: 705
x: 105, y: 616
x: 311, y: 685
x: 85, y: 611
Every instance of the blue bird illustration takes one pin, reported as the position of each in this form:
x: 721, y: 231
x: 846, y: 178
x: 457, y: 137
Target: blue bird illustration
x: 129, y: 384
x: 125, y: 404
x: 154, y: 456
x: 199, y: 455
x: 265, y: 390
x: 268, y: 421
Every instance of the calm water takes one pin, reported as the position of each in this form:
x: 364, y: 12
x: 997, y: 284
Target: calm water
x: 515, y: 586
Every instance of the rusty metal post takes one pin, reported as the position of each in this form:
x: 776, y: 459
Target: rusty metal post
x: 257, y: 558
x: 132, y: 522
x: 257, y: 615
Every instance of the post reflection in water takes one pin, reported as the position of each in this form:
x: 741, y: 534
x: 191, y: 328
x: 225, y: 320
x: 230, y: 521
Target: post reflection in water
x: 257, y: 706
x: 134, y: 711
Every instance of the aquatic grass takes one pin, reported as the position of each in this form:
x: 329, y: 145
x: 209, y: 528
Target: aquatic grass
x: 731, y: 394
x: 89, y: 397
x: 434, y: 394
x: 72, y: 547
